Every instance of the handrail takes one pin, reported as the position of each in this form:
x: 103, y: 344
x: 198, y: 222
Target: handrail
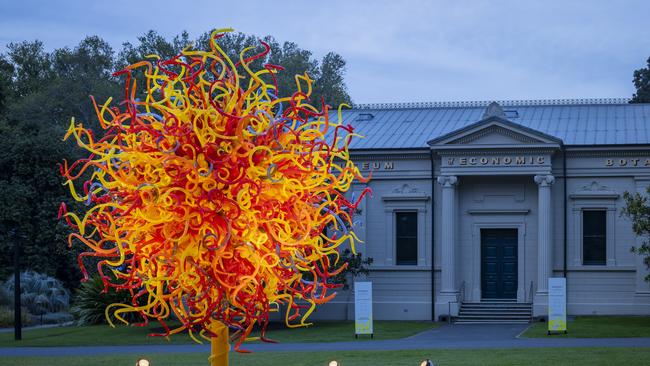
x: 530, y: 293
x: 459, y: 300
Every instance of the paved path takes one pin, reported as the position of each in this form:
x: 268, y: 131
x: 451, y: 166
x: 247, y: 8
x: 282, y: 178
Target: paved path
x: 501, y: 336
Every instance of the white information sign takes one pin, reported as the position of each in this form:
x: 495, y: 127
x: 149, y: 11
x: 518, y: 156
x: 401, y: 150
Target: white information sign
x: 363, y: 308
x: 557, y: 304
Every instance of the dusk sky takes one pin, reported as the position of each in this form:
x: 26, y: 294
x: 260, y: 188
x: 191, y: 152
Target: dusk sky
x: 397, y: 51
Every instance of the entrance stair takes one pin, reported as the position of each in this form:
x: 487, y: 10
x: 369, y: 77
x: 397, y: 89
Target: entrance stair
x: 494, y: 312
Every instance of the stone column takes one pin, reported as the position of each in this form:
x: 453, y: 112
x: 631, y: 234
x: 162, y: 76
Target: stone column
x: 448, y: 292
x: 544, y: 243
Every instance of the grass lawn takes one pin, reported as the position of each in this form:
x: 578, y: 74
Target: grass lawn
x: 529, y: 357
x: 598, y: 327
x: 103, y: 335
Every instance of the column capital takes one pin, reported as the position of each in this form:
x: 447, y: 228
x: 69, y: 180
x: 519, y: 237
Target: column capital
x: 447, y: 180
x: 544, y: 180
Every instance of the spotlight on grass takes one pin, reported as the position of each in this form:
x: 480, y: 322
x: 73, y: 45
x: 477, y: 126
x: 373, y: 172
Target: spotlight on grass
x: 427, y: 362
x: 142, y: 362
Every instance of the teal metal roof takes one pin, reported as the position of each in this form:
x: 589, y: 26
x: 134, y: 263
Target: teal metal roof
x: 575, y: 122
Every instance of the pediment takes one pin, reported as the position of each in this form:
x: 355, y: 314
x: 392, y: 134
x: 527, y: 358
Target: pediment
x: 494, y: 132
x: 594, y: 190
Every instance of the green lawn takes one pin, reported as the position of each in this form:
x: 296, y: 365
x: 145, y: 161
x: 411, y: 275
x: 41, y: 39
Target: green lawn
x: 598, y: 327
x: 529, y: 357
x: 101, y: 335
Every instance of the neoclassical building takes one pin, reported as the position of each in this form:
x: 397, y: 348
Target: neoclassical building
x: 480, y: 203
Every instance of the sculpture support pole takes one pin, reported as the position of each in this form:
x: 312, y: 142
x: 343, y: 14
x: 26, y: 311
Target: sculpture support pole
x: 219, y: 346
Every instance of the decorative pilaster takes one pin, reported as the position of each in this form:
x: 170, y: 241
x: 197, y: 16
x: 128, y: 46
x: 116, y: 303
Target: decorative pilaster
x: 448, y: 292
x: 544, y: 242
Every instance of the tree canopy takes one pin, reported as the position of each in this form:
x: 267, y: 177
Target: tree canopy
x: 637, y: 208
x: 41, y: 91
x: 642, y: 84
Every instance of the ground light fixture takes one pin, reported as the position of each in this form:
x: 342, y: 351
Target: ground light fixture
x: 334, y: 363
x: 143, y: 362
x: 427, y: 362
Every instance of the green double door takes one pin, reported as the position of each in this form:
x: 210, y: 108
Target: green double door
x: 499, y: 264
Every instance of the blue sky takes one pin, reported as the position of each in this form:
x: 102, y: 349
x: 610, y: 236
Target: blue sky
x: 397, y: 51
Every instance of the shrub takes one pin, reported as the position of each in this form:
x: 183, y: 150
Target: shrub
x: 357, y: 266
x: 57, y: 318
x: 40, y: 293
x: 7, y: 317
x: 90, y: 302
x: 5, y: 296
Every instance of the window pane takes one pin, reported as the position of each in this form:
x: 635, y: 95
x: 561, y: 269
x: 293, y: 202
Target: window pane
x: 406, y: 239
x: 594, y: 223
x: 594, y: 238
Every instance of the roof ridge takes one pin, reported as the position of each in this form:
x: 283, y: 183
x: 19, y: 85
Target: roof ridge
x: 485, y: 103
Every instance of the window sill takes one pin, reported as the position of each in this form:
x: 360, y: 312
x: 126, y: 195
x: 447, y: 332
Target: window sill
x: 400, y: 268
x: 601, y: 269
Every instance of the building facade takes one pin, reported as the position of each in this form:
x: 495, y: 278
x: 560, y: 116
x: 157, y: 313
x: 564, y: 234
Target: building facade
x: 475, y: 202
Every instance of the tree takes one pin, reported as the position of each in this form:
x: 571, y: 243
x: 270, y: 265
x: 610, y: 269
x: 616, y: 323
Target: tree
x: 32, y: 67
x: 46, y: 90
x: 328, y: 73
x: 41, y: 91
x: 642, y: 84
x: 6, y: 72
x: 152, y: 43
x: 637, y: 208
x: 330, y: 84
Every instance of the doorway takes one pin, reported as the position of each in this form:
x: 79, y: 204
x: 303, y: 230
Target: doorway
x: 499, y: 264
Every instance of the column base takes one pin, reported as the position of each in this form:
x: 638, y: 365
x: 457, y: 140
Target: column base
x: 447, y: 304
x: 540, y: 304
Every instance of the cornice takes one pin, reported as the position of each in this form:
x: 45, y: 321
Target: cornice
x: 498, y: 151
x: 497, y: 212
x: 606, y: 153
x: 396, y: 156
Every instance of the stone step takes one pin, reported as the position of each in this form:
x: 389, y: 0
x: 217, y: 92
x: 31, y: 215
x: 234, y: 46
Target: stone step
x: 473, y: 306
x: 495, y: 309
x: 460, y: 321
x: 476, y: 308
x: 499, y: 300
x: 517, y: 310
x: 495, y: 316
x: 490, y: 303
x: 494, y: 313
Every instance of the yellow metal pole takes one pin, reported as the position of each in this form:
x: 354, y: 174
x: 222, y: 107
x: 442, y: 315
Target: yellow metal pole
x: 219, y: 345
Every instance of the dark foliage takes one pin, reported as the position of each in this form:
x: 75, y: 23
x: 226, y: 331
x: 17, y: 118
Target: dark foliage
x: 356, y: 266
x: 39, y: 293
x: 90, y: 303
x: 637, y: 208
x: 642, y: 84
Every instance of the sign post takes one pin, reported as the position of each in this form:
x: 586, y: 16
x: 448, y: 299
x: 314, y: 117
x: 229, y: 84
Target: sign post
x: 557, y: 305
x: 363, y: 309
